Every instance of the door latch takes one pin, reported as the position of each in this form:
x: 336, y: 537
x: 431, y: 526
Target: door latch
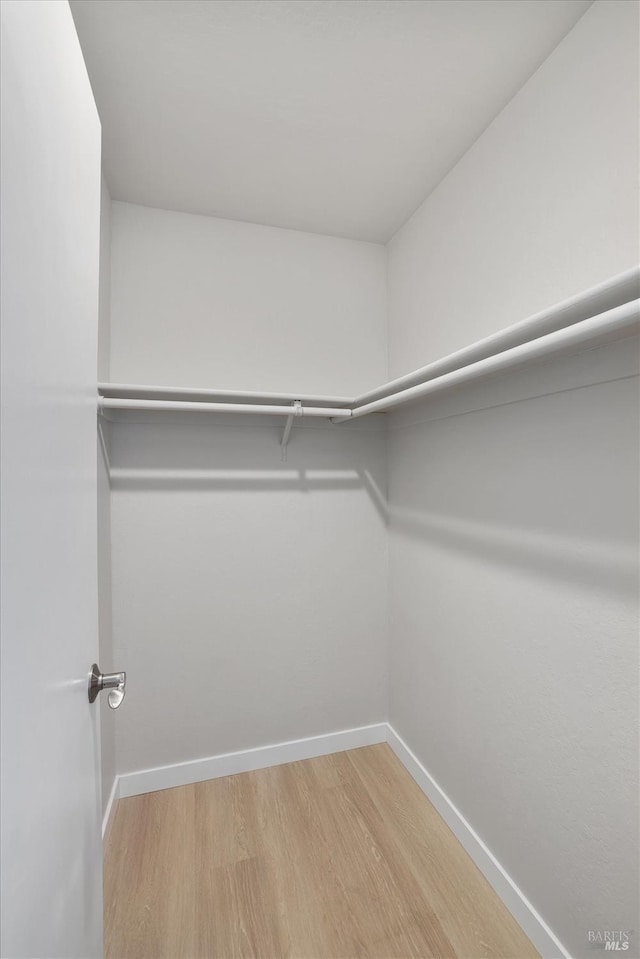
x: 114, y: 682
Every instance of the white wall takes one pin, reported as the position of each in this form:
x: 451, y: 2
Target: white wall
x: 513, y: 505
x: 104, y: 326
x: 198, y: 301
x: 543, y: 205
x: 107, y: 716
x: 250, y: 595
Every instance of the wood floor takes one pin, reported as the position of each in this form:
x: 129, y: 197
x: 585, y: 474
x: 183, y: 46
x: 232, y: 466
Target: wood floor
x: 340, y: 856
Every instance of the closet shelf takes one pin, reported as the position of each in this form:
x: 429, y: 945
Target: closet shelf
x: 603, y: 313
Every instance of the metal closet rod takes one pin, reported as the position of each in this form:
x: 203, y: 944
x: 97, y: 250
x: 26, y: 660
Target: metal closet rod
x: 571, y: 323
x: 113, y: 403
x: 613, y: 292
x: 602, y: 327
x: 190, y: 394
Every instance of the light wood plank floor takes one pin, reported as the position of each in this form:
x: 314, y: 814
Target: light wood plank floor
x: 340, y: 856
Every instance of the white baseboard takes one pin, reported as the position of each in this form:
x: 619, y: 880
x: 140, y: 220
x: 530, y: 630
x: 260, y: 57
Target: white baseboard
x: 530, y: 921
x: 247, y: 760
x: 109, y: 812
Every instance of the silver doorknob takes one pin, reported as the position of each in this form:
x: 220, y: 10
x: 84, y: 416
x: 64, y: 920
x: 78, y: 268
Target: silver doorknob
x: 115, y: 682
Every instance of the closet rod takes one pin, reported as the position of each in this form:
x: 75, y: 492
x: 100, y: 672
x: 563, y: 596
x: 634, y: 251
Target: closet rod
x: 613, y: 292
x: 111, y: 403
x: 193, y: 395
x: 600, y: 327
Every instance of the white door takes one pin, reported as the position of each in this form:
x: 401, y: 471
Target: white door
x: 51, y: 850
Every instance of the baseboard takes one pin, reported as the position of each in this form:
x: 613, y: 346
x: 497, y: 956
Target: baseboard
x: 530, y: 921
x: 247, y: 760
x: 110, y: 811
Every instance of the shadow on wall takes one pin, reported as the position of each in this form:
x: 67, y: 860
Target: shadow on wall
x: 588, y: 563
x: 529, y: 486
x: 546, y: 486
x: 178, y: 455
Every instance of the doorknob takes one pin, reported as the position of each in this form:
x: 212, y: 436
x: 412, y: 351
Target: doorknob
x: 114, y: 682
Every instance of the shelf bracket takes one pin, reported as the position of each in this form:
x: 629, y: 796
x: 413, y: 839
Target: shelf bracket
x: 296, y: 407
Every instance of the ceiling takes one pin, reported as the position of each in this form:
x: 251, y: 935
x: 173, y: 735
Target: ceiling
x: 332, y: 116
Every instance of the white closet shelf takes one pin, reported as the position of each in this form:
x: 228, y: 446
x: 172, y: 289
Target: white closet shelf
x: 605, y: 312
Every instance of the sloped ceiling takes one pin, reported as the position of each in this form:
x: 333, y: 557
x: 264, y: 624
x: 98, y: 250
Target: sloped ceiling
x: 332, y: 116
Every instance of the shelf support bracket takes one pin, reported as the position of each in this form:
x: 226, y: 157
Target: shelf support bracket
x: 296, y: 408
